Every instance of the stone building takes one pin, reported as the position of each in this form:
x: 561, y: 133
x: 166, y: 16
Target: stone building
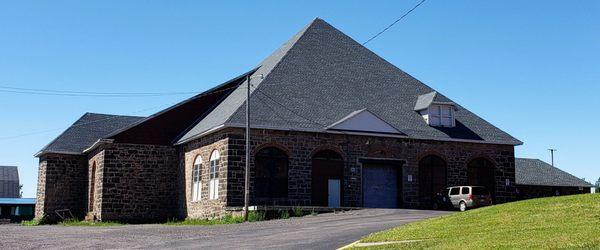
x: 333, y: 124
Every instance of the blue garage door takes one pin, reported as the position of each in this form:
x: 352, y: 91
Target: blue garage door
x: 380, y: 186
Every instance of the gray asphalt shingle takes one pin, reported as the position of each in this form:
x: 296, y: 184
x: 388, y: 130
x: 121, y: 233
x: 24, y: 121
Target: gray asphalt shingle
x: 321, y: 75
x: 539, y: 173
x: 86, y: 131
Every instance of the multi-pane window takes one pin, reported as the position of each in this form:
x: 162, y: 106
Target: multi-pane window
x: 197, y: 179
x: 441, y: 115
x: 213, y: 188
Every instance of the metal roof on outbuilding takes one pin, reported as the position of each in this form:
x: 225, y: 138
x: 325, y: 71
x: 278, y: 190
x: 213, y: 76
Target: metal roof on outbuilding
x: 9, y: 182
x: 17, y: 201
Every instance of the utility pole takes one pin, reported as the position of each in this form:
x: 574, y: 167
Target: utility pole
x: 247, y: 171
x: 552, y: 155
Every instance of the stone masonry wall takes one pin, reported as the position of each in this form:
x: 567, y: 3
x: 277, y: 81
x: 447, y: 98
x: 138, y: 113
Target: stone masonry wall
x: 62, y: 184
x: 203, y: 147
x: 95, y: 208
x: 301, y: 146
x: 136, y: 183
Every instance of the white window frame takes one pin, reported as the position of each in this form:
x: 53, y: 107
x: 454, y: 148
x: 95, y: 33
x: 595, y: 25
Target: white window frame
x: 197, y: 179
x: 213, y: 188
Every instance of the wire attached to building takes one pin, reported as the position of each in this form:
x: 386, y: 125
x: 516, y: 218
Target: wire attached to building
x: 113, y: 117
x: 392, y: 24
x: 33, y: 91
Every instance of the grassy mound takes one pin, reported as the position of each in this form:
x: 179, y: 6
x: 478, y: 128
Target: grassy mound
x: 556, y: 222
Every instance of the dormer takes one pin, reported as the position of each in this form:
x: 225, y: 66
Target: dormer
x: 435, y: 112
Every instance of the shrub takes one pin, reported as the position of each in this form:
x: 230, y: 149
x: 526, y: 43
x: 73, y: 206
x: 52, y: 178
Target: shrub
x: 256, y: 216
x: 284, y: 214
x: 76, y: 222
x: 34, y: 222
x: 297, y: 212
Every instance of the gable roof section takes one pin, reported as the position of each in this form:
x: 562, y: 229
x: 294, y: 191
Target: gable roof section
x: 86, y: 131
x: 320, y: 76
x: 168, y: 125
x: 363, y: 121
x: 538, y: 173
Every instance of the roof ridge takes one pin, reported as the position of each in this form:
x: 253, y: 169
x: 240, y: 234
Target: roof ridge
x: 94, y: 113
x: 291, y: 43
x: 527, y: 158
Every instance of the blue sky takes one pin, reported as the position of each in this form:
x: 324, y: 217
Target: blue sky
x: 531, y: 68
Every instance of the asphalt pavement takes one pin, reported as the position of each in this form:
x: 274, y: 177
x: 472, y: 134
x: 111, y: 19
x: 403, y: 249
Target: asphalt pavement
x: 324, y: 231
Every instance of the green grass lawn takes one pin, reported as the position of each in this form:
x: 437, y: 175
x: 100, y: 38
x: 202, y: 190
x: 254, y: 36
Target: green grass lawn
x: 556, y: 222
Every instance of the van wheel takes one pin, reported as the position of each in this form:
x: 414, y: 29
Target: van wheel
x: 462, y: 206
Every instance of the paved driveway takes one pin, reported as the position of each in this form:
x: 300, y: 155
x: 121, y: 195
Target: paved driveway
x: 325, y: 231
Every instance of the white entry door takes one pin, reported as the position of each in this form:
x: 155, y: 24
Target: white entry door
x: 333, y: 193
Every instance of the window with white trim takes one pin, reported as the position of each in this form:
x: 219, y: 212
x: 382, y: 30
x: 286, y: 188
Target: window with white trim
x: 197, y: 179
x: 213, y: 188
x: 441, y: 115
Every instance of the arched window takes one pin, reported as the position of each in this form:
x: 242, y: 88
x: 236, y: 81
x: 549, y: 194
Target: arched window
x: 271, y: 167
x: 91, y: 196
x: 197, y: 179
x: 213, y: 188
x: 481, y: 172
x: 327, y: 178
x: 432, y: 177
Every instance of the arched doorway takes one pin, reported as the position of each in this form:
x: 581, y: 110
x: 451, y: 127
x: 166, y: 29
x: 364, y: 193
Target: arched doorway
x: 432, y: 177
x: 327, y: 178
x: 271, y: 174
x: 92, y: 191
x: 481, y: 172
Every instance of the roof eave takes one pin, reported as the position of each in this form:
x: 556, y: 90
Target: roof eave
x: 209, y: 131
x: 97, y: 144
x: 45, y: 152
x: 548, y: 185
x: 230, y: 125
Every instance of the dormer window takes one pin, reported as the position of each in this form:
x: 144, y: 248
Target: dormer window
x: 436, y: 111
x: 441, y: 115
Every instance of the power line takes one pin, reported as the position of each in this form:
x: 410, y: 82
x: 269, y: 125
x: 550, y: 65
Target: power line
x: 76, y: 125
x: 397, y: 20
x: 112, y: 117
x: 9, y: 89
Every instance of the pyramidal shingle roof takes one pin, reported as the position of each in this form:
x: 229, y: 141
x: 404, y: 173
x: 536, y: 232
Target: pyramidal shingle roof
x: 321, y: 76
x: 536, y: 172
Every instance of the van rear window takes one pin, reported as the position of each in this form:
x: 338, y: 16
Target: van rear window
x: 454, y: 191
x: 480, y: 191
